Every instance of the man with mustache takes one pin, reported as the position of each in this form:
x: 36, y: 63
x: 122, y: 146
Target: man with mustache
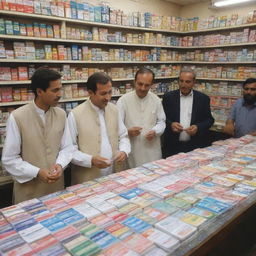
x: 242, y: 119
x: 144, y: 117
x: 38, y: 145
x: 188, y: 116
x: 99, y: 136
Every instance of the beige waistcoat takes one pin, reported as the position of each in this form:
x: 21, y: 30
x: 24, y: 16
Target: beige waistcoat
x: 142, y: 113
x: 40, y: 146
x: 89, y: 137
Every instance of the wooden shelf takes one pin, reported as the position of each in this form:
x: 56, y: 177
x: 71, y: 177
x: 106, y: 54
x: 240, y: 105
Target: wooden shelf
x: 221, y: 79
x: 217, y: 126
x: 219, y: 62
x: 101, y: 24
x: 13, y: 103
x: 215, y: 106
x: 124, y: 79
x: 17, y: 103
x: 74, y: 99
x: 80, y: 81
x: 83, y: 22
x: 88, y: 62
x: 219, y: 123
x: 27, y: 38
x: 219, y: 46
x: 61, y: 40
x: 247, y: 25
x: 127, y: 62
x: 222, y: 95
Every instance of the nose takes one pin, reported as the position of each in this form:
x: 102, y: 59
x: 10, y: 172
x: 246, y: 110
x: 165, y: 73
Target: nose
x: 183, y: 83
x: 143, y: 87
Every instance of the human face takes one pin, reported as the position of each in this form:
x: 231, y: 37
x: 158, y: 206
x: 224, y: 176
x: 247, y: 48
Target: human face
x: 249, y: 92
x: 102, y: 95
x: 186, y: 82
x: 51, y: 96
x: 143, y: 84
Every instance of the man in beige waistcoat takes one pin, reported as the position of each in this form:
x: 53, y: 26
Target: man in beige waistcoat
x: 38, y: 145
x: 97, y: 132
x: 143, y: 116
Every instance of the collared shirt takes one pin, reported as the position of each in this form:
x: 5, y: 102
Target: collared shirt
x: 85, y: 160
x: 21, y: 170
x: 244, y: 117
x: 160, y: 115
x: 186, y: 102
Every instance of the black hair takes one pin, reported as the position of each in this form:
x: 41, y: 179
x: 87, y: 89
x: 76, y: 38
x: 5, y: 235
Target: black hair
x: 188, y: 70
x: 97, y: 78
x: 144, y: 71
x: 42, y: 77
x: 249, y: 81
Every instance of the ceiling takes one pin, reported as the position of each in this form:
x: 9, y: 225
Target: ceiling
x: 186, y: 2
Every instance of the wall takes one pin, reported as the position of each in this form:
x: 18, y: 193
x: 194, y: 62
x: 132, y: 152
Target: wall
x: 159, y: 7
x: 202, y: 11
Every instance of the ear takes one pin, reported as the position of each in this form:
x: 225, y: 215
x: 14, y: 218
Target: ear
x: 91, y: 93
x: 39, y: 91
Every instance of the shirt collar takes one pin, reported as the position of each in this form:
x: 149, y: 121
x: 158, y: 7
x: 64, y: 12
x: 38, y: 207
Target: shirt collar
x: 141, y: 99
x: 38, y: 110
x: 186, y: 96
x: 97, y: 109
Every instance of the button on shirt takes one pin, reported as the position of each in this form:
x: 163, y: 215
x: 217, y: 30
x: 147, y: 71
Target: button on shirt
x: 244, y: 117
x: 186, y: 102
x: 21, y: 170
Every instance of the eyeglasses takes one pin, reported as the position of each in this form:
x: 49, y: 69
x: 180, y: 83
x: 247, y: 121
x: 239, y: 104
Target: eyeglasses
x: 248, y: 88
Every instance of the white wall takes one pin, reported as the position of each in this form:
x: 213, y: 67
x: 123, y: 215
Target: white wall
x: 158, y: 7
x: 202, y: 11
x: 161, y: 7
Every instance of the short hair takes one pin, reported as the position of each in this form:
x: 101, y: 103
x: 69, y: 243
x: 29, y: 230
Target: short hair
x: 97, y: 78
x: 188, y: 70
x: 42, y: 77
x: 145, y: 71
x: 249, y: 81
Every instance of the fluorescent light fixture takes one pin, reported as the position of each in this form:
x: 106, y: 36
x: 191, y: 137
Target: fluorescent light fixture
x: 229, y: 2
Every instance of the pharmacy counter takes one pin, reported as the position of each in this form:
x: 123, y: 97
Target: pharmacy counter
x: 178, y: 206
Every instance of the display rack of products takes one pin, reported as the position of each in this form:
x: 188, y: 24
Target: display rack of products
x: 78, y: 39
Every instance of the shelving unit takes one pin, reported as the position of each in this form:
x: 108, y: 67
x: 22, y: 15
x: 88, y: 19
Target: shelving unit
x: 64, y: 22
x: 20, y: 82
x: 101, y: 24
x: 90, y: 42
x: 126, y: 62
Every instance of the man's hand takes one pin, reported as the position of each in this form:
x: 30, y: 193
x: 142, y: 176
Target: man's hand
x: 150, y: 135
x: 192, y: 130
x: 229, y: 128
x: 120, y: 157
x: 55, y: 173
x: 253, y: 133
x: 44, y: 175
x: 134, y: 131
x: 176, y: 127
x: 100, y: 162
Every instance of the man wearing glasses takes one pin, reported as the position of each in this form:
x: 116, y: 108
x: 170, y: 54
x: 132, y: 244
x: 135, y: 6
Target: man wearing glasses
x: 242, y: 119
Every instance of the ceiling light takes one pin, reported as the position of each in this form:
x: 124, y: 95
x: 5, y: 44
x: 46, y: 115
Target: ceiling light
x: 229, y: 2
